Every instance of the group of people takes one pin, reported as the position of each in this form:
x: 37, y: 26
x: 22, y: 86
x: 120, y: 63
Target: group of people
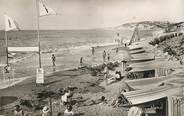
x: 111, y: 76
x: 119, y: 101
x: 66, y: 100
x: 105, y: 56
x: 119, y: 39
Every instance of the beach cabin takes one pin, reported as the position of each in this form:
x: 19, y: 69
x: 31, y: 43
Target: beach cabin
x: 160, y: 101
x: 155, y: 68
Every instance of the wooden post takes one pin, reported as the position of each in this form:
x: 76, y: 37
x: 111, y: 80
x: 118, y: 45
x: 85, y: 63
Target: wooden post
x: 6, y: 42
x: 38, y: 32
x: 50, y: 99
x: 13, y: 76
x: 3, y: 75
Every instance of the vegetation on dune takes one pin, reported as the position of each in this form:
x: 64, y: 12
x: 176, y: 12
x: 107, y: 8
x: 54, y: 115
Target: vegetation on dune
x: 172, y: 44
x: 98, y: 69
x: 163, y: 38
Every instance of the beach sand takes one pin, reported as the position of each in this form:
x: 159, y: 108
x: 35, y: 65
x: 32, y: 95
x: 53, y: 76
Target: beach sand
x: 89, y: 87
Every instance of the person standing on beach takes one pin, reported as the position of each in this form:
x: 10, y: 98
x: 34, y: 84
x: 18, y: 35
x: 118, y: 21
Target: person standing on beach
x: 104, y: 55
x: 93, y: 50
x: 53, y: 60
x: 108, y: 57
x: 81, y: 61
x: 117, y: 50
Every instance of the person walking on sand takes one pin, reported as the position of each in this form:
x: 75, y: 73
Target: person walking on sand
x: 53, y: 60
x: 117, y: 50
x: 93, y: 50
x: 108, y: 57
x: 104, y: 55
x: 81, y: 61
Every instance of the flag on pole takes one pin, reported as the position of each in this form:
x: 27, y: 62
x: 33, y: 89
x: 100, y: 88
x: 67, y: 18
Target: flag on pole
x: 10, y: 24
x: 45, y: 10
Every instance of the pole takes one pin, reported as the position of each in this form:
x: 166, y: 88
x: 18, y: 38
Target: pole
x: 6, y: 42
x: 38, y: 32
x: 50, y: 99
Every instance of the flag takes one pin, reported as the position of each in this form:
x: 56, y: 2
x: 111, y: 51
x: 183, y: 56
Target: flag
x: 10, y: 24
x: 45, y: 10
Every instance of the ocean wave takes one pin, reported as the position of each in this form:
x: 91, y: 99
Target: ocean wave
x: 80, y: 47
x: 20, y: 57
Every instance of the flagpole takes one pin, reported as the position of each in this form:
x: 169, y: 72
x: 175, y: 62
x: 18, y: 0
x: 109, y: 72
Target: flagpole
x: 38, y: 32
x: 6, y: 42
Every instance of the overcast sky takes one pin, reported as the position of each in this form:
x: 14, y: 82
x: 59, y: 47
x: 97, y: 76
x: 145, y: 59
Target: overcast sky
x: 85, y: 14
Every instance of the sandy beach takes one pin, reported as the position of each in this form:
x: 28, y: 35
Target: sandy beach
x: 89, y: 87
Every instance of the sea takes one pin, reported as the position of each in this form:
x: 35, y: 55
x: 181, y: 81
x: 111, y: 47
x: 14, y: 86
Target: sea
x: 58, y: 40
x: 67, y: 44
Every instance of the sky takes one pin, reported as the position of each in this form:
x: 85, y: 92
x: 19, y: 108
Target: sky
x: 87, y: 14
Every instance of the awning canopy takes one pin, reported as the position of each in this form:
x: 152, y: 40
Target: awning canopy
x: 23, y: 49
x: 140, y: 69
x: 137, y: 51
x: 156, y: 64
